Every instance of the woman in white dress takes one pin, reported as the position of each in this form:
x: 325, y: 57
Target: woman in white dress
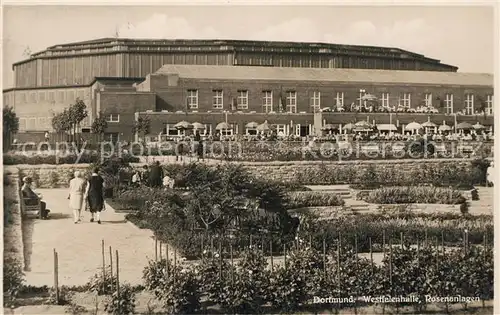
x: 490, y: 175
x: 76, y: 195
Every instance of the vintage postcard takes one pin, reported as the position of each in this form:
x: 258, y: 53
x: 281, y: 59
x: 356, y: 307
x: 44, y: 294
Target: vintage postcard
x: 257, y: 159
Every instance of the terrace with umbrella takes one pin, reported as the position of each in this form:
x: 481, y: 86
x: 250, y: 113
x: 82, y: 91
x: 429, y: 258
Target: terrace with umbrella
x: 328, y: 128
x: 363, y: 126
x: 387, y: 128
x: 265, y: 127
x: 224, y: 128
x: 183, y: 126
x: 413, y: 127
x: 444, y: 128
x: 464, y: 127
x: 251, y: 128
x: 429, y: 127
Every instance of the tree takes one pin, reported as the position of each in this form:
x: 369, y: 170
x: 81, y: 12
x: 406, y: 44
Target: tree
x: 10, y: 125
x: 61, y: 122
x: 77, y: 113
x: 99, y: 126
x: 220, y: 196
x: 142, y: 126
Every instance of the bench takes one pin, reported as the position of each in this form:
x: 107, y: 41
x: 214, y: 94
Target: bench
x: 30, y: 211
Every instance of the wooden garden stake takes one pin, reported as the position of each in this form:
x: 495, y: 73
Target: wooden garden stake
x: 250, y: 241
x: 390, y: 264
x: 284, y: 255
x: 425, y: 239
x: 232, y: 266
x: 402, y: 239
x: 161, y: 250
x: 356, y: 248
x: 175, y: 263
x: 485, y: 244
x: 111, y: 266
x: 117, y: 273
x: 56, y: 275
x: 338, y: 265
x: 383, y: 243
x: 324, y: 255
x: 220, y: 258
x: 371, y: 253
x: 156, y: 248
x: 103, y: 267
x: 167, y: 261
x: 202, y: 246
x: 271, y: 253
x: 442, y: 242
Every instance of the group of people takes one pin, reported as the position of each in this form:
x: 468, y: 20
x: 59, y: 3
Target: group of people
x: 153, y: 176
x: 84, y: 194
x: 87, y: 194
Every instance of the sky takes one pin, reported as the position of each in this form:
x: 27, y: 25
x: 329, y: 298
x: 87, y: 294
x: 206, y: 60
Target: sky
x: 458, y: 35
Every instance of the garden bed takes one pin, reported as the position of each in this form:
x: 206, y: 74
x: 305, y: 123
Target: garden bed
x: 418, y: 207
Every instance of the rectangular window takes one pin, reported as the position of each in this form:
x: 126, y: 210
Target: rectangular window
x: 428, y: 99
x: 291, y: 102
x: 170, y: 130
x: 218, y: 99
x: 339, y: 99
x: 469, y: 104
x: 192, y: 99
x: 385, y: 99
x: 448, y: 103
x: 267, y: 101
x: 242, y: 100
x: 113, y: 118
x: 489, y: 104
x: 405, y: 100
x: 280, y: 129
x: 41, y: 96
x: 316, y: 101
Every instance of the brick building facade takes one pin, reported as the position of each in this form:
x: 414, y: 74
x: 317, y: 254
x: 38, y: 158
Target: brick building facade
x: 250, y: 81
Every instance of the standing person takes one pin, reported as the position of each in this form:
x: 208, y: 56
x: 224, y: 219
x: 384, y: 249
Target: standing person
x: 490, y: 181
x: 47, y: 136
x: 156, y: 175
x: 95, y: 195
x: 136, y: 179
x: 76, y: 192
x: 145, y: 175
x: 199, y: 145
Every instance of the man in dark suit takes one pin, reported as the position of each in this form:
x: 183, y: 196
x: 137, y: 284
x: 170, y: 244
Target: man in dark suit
x: 156, y: 175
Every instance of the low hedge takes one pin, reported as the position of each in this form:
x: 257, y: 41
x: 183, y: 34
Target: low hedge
x: 403, y: 195
x: 458, y: 175
x: 416, y: 228
x: 85, y: 158
x: 302, y: 199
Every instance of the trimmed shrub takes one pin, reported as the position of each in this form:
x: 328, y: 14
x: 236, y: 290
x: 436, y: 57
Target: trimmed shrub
x: 302, y: 199
x: 403, y: 195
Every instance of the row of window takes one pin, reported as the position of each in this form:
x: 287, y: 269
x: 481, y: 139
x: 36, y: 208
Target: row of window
x: 288, y: 101
x: 41, y: 123
x: 34, y: 97
x: 171, y: 130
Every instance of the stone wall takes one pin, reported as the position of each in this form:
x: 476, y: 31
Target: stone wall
x: 45, y: 176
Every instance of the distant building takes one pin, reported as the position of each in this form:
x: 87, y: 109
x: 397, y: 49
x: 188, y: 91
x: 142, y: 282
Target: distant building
x: 274, y: 81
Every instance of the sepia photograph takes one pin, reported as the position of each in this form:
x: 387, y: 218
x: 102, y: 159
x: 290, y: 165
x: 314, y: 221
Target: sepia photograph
x: 248, y: 159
